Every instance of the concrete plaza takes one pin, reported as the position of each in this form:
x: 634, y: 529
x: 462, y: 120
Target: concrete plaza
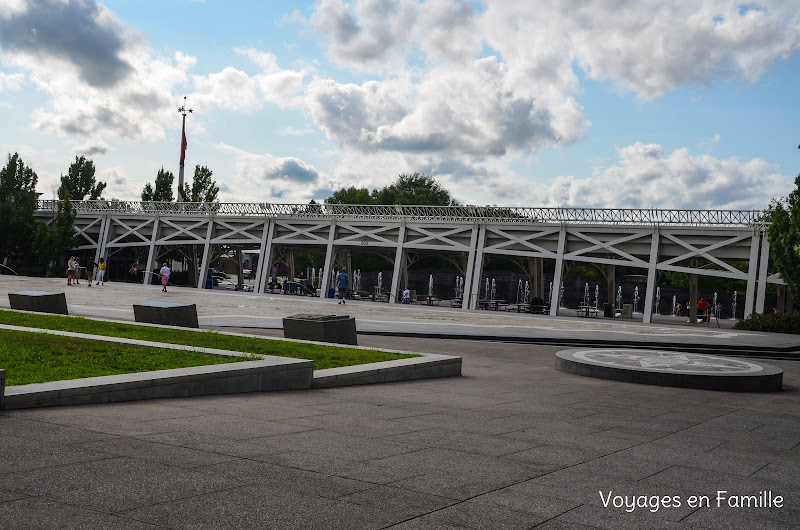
x: 513, y: 443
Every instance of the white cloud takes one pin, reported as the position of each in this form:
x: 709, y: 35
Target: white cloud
x: 12, y: 8
x: 235, y: 89
x: 92, y: 148
x: 84, y: 35
x: 648, y: 46
x: 472, y: 110
x: 373, y: 35
x: 269, y: 178
x: 645, y: 177
x: 10, y: 81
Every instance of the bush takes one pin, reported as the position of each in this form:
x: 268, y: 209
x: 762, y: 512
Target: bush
x: 773, y: 322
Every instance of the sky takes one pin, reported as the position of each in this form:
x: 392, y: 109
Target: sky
x: 587, y: 103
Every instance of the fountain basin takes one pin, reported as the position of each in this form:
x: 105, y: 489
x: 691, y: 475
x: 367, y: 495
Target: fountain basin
x: 669, y: 368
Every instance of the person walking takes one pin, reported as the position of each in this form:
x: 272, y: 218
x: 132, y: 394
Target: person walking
x: 90, y: 268
x: 406, y: 296
x: 164, y: 275
x: 342, y: 280
x: 101, y: 272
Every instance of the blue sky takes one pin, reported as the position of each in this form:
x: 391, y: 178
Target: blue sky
x: 647, y: 103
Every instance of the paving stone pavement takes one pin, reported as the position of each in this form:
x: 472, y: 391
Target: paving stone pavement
x: 513, y: 443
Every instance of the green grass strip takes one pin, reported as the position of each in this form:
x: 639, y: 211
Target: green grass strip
x: 30, y: 357
x: 324, y: 356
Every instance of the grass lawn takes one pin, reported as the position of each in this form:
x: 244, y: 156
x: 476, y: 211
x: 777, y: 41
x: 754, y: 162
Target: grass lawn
x: 38, y: 357
x: 324, y: 356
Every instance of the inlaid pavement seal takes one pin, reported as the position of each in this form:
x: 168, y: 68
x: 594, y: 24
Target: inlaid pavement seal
x: 670, y: 368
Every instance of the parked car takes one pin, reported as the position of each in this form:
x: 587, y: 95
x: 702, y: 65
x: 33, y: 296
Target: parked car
x: 247, y: 274
x: 215, y: 274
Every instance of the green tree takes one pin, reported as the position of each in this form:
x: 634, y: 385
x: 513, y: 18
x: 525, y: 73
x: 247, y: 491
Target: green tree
x: 784, y: 238
x: 58, y: 239
x: 409, y: 188
x: 413, y: 188
x: 163, y: 191
x: 80, y: 181
x: 203, y: 189
x: 17, y: 207
x: 351, y: 195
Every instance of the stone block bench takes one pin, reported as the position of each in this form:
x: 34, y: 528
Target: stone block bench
x: 39, y: 301
x: 321, y: 328
x: 167, y: 314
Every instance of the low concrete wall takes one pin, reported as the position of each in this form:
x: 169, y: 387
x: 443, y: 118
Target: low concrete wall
x: 39, y: 301
x: 273, y: 373
x: 425, y: 367
x: 321, y: 328
x: 166, y: 313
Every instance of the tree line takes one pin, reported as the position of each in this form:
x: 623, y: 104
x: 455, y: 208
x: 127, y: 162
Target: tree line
x: 24, y: 239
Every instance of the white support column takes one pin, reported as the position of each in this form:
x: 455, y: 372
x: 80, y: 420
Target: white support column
x: 148, y: 266
x: 104, y: 238
x: 752, y: 269
x: 326, y: 273
x: 762, y: 273
x: 473, y: 250
x: 472, y: 294
x: 203, y: 272
x: 100, y: 236
x: 265, y: 257
x: 651, y: 276
x: 398, y: 261
x: 556, y: 294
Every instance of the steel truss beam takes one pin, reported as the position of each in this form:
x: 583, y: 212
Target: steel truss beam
x: 653, y: 239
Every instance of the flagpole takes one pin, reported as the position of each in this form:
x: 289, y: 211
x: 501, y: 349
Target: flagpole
x: 183, y: 110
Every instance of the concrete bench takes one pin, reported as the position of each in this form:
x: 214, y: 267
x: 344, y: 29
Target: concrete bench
x: 166, y: 313
x: 321, y: 328
x: 39, y: 301
x: 428, y: 299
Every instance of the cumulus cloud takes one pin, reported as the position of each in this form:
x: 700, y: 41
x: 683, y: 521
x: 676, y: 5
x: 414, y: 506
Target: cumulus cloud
x: 644, y: 176
x: 93, y: 148
x: 235, y: 89
x: 470, y: 111
x: 517, y: 93
x: 270, y: 178
x: 291, y: 169
x: 647, y: 46
x: 374, y: 34
x: 81, y: 33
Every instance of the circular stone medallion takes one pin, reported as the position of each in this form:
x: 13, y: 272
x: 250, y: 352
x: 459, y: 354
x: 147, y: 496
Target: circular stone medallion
x: 669, y: 368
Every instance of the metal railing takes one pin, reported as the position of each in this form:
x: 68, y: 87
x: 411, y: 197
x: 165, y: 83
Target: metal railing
x: 522, y: 215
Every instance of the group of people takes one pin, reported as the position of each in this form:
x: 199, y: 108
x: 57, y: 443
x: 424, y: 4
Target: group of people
x: 92, y: 269
x: 96, y: 272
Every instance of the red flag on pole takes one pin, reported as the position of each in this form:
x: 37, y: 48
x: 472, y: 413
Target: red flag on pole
x: 183, y: 143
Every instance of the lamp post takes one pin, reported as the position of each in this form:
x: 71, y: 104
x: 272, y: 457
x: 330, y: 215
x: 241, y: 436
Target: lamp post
x: 183, y: 110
